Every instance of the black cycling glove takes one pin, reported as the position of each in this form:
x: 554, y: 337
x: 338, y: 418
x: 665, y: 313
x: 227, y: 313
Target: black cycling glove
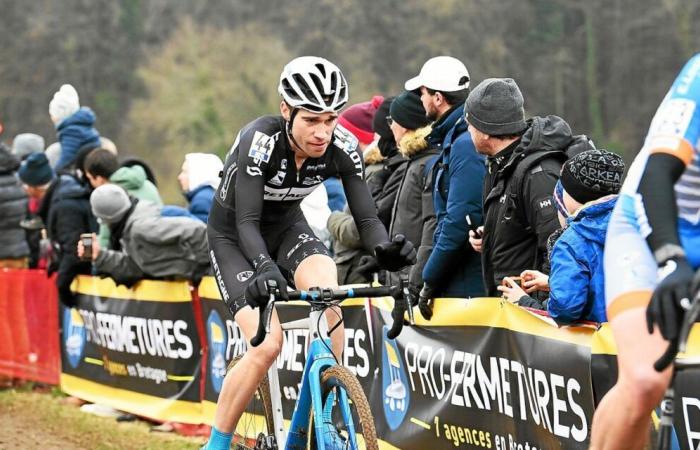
x: 367, y: 266
x: 665, y: 308
x: 425, y: 302
x: 395, y: 254
x: 256, y: 293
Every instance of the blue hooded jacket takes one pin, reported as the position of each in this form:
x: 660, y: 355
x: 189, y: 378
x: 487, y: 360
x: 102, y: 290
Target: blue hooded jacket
x: 200, y: 200
x: 576, y: 281
x: 454, y: 268
x: 75, y: 132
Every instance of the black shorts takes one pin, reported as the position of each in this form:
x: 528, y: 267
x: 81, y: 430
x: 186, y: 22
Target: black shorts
x: 288, y: 247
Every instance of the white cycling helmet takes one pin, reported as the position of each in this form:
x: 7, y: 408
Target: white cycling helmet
x: 314, y: 84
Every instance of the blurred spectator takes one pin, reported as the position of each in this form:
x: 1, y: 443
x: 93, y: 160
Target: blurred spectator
x: 65, y: 210
x: 53, y: 152
x: 102, y: 167
x: 347, y: 247
x: 108, y: 144
x: 584, y: 197
x: 453, y: 269
x: 144, y: 244
x: 524, y: 161
x: 74, y: 125
x: 25, y: 144
x: 413, y: 213
x: 199, y: 179
x: 133, y: 161
x: 14, y: 249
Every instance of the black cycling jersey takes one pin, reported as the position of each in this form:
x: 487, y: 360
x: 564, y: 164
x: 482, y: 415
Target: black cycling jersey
x: 262, y: 188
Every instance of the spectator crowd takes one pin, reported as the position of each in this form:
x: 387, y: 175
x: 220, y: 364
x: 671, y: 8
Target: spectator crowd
x: 496, y: 203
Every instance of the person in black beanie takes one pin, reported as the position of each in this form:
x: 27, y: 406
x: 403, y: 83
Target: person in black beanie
x: 65, y: 209
x: 413, y: 214
x: 584, y: 198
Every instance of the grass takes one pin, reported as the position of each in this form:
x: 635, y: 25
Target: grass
x: 33, y: 419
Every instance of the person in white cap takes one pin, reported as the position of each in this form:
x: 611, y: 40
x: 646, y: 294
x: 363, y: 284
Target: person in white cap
x: 453, y: 268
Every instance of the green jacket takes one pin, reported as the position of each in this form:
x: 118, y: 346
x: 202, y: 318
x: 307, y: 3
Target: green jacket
x: 134, y: 181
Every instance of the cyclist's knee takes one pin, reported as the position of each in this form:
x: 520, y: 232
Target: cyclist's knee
x: 267, y: 352
x: 646, y: 387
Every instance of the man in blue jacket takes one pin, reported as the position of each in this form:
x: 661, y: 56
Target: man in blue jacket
x: 453, y: 268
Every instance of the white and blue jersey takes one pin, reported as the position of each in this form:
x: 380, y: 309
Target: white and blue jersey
x: 675, y: 130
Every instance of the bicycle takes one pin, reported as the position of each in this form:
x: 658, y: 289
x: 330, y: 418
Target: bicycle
x: 665, y: 430
x: 331, y: 410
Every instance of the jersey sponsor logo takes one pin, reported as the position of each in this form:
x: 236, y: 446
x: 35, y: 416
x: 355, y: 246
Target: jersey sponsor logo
x: 244, y: 276
x: 235, y: 144
x: 672, y: 118
x: 312, y: 181
x: 287, y: 194
x: 219, y: 278
x: 261, y: 147
x: 316, y: 167
x: 253, y: 171
x: 545, y: 203
x: 278, y: 179
x: 223, y: 192
x: 283, y: 164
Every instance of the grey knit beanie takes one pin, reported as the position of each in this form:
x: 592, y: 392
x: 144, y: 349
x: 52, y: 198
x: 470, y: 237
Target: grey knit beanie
x: 109, y: 203
x: 495, y: 107
x: 25, y: 144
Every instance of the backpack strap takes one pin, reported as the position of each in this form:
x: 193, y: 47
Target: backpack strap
x: 517, y: 178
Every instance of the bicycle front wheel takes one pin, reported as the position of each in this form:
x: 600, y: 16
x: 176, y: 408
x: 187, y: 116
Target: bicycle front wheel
x: 256, y: 421
x: 335, y: 382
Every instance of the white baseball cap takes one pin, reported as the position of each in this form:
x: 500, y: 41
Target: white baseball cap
x: 441, y: 73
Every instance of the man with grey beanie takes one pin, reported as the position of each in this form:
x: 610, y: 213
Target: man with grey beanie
x: 524, y: 159
x: 142, y: 243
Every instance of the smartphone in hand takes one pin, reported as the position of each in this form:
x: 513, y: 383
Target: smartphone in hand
x: 86, y: 239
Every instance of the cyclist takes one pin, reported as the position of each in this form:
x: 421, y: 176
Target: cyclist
x: 257, y: 232
x: 652, y: 249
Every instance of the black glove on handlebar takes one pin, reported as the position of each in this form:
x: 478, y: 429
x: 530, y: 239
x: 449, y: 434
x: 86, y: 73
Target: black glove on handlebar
x: 665, y: 308
x: 425, y: 302
x: 256, y: 293
x: 395, y: 254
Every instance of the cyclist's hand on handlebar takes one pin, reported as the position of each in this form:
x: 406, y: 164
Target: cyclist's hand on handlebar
x: 395, y: 254
x: 666, y: 309
x: 256, y: 293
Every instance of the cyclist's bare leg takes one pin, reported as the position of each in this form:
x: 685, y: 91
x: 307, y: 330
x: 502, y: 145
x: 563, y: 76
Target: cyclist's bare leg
x: 623, y: 417
x: 243, y: 378
x: 320, y: 271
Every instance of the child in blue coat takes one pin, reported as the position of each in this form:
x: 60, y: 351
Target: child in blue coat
x: 74, y: 126
x: 584, y: 197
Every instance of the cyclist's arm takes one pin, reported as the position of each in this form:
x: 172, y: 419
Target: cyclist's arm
x: 362, y: 208
x: 656, y: 189
x: 249, y: 191
x: 673, y: 133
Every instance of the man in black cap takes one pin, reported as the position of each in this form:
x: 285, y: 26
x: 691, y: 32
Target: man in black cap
x: 524, y: 159
x: 65, y: 209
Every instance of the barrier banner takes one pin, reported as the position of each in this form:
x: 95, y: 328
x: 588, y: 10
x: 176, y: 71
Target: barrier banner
x: 481, y: 374
x: 29, y: 347
x: 137, y: 350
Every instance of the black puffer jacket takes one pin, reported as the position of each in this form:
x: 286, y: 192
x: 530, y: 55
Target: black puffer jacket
x: 516, y: 227
x: 13, y: 208
x: 66, y: 212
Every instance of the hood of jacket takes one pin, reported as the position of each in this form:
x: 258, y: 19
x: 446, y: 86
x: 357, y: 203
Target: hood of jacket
x: 591, y: 220
x: 415, y: 141
x: 203, y: 170
x: 130, y: 178
x: 8, y: 162
x: 543, y: 134
x: 83, y: 117
x: 194, y: 193
x: 372, y: 155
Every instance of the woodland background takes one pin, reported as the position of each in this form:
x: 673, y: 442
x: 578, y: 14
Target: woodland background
x: 168, y: 77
